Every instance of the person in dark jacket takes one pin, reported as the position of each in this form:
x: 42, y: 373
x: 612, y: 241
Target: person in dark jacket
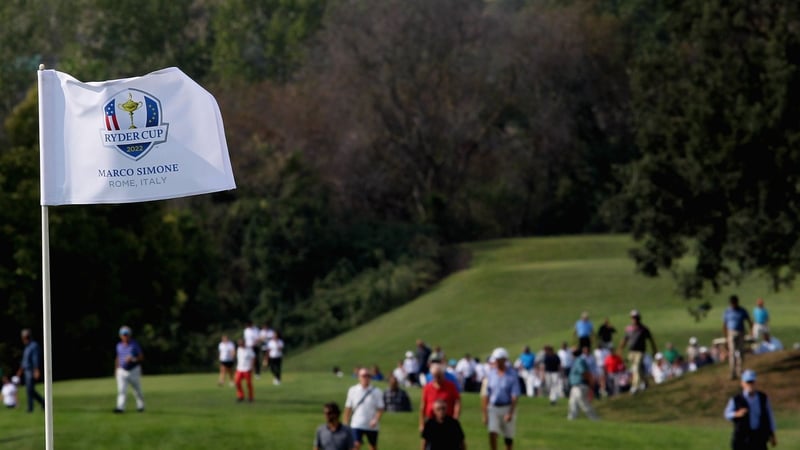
x: 751, y: 414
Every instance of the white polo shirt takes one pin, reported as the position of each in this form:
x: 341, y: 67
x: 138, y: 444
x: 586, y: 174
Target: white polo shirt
x: 364, y: 412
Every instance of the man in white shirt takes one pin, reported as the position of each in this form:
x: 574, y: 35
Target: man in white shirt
x: 251, y: 341
x: 363, y: 410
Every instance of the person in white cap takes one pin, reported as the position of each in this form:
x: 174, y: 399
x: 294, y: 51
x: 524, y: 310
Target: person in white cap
x: 636, y: 337
x: 751, y: 414
x: 128, y: 365
x: 499, y: 394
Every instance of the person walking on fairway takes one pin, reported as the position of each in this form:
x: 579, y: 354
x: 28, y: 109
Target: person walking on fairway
x: 733, y: 328
x: 442, y: 432
x: 751, y: 414
x: 636, y: 337
x: 128, y: 370
x: 499, y: 396
x: 245, y: 362
x: 363, y: 410
x: 333, y: 435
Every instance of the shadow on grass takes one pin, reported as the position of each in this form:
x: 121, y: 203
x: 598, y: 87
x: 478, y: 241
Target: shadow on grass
x: 25, y: 437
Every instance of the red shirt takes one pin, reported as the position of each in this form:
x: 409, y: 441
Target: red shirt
x: 614, y: 364
x: 447, y: 391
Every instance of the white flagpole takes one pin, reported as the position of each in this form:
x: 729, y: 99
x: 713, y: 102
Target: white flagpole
x: 46, y: 338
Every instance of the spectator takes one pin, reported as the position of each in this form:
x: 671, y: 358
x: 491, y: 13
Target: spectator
x: 565, y: 354
x: 245, y: 360
x: 395, y: 398
x: 333, y: 435
x: 275, y: 353
x: 553, y: 374
x: 660, y: 370
x: 769, y: 344
x: 499, y: 395
x: 423, y: 353
x: 227, y: 355
x: 760, y: 319
x: 363, y: 410
x: 442, y: 432
x: 703, y: 358
x: 636, y: 337
x: 128, y: 364
x: 438, y: 389
x: 734, y: 320
x: 581, y: 384
x: 616, y: 375
x: 411, y: 367
x: 584, y: 330
x: 466, y: 371
x: 264, y: 336
x: 526, y: 368
x: 376, y: 373
x: 599, y: 369
x: 30, y: 368
x: 751, y: 414
x: 9, y: 392
x: 670, y: 353
x: 436, y: 355
x: 692, y: 350
x: 400, y: 374
x: 678, y: 367
x: 250, y: 335
x: 449, y: 375
x: 605, y: 334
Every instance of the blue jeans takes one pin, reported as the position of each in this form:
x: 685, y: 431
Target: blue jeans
x: 30, y: 390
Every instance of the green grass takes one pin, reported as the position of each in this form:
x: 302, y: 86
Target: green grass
x: 516, y: 292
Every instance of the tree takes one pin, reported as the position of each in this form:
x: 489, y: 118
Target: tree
x: 716, y: 98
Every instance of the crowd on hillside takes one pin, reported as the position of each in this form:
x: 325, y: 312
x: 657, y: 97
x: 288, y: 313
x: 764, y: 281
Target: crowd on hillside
x: 545, y: 372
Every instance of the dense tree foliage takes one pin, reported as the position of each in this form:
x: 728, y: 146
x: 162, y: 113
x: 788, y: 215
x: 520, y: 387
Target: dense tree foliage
x: 716, y: 98
x: 368, y: 137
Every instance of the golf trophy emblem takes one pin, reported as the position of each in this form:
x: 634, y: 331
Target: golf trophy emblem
x: 130, y: 106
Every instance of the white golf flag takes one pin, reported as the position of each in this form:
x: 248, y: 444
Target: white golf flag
x: 153, y: 137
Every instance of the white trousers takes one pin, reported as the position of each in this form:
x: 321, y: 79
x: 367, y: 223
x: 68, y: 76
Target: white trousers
x: 554, y: 385
x: 579, y: 398
x: 133, y: 378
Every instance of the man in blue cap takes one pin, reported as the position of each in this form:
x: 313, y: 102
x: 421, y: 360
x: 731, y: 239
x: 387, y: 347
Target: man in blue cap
x: 751, y: 414
x: 128, y: 370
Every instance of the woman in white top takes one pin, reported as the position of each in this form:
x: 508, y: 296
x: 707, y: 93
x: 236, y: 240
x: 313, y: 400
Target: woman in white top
x: 227, y: 355
x: 275, y: 350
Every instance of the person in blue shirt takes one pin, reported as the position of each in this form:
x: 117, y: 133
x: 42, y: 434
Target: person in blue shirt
x: 499, y: 395
x: 527, y: 371
x: 760, y: 320
x: 751, y: 414
x: 128, y: 370
x: 584, y: 330
x: 734, y: 320
x: 30, y: 368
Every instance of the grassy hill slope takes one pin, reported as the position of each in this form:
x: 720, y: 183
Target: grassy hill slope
x: 531, y: 291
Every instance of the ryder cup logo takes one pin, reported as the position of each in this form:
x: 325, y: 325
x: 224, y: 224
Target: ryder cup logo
x: 133, y: 123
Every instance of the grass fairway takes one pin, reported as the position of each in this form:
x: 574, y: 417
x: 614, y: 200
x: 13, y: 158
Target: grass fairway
x: 516, y: 292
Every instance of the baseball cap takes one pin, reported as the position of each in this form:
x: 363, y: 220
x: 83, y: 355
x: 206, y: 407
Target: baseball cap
x: 499, y: 353
x: 748, y: 376
x: 659, y: 355
x: 124, y: 331
x: 409, y: 354
x: 692, y: 340
x: 635, y: 313
x: 703, y: 349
